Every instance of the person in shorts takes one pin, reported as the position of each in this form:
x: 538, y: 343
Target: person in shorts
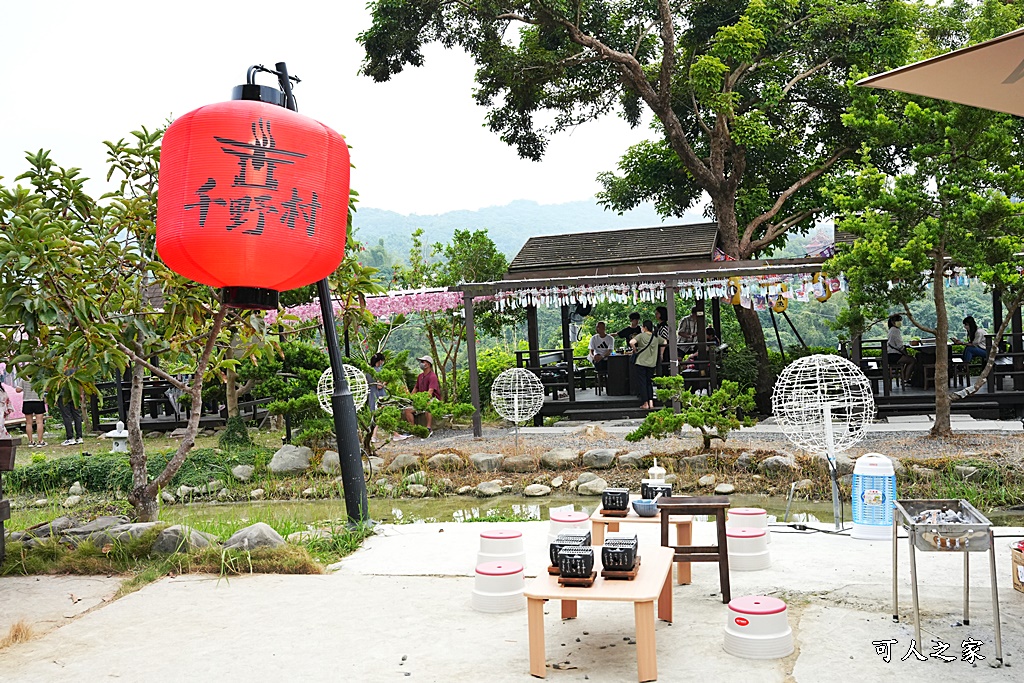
x: 34, y: 409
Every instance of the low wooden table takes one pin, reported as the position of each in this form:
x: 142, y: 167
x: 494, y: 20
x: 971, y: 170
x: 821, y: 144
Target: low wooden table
x: 599, y: 523
x: 653, y: 582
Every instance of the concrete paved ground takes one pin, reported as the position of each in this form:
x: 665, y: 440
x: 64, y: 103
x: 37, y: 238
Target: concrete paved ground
x: 399, y: 609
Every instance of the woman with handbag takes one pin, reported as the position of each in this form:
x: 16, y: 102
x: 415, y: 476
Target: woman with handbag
x: 646, y: 350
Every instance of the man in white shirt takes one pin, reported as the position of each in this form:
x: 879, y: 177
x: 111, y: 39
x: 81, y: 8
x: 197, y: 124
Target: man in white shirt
x: 601, y: 346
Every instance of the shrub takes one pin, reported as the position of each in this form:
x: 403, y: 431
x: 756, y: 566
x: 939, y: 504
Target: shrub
x: 235, y: 433
x: 715, y: 416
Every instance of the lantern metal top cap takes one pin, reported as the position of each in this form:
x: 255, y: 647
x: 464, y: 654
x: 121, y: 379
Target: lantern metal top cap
x: 258, y: 93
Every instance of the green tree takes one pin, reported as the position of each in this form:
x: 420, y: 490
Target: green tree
x: 948, y: 203
x: 747, y: 95
x: 714, y: 416
x: 470, y: 256
x: 81, y: 279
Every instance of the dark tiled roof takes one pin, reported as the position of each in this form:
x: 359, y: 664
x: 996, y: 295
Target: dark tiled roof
x: 691, y: 242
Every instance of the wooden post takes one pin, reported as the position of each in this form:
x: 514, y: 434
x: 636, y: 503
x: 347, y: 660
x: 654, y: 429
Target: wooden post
x: 533, y: 335
x: 474, y: 375
x: 567, y: 355
x: 716, y: 316
x: 1017, y: 347
x: 673, y: 348
x: 702, y: 342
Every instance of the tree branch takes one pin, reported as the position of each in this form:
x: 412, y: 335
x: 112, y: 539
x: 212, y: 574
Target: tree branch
x: 776, y: 229
x: 807, y: 74
x: 748, y: 232
x: 668, y: 53
x: 920, y: 326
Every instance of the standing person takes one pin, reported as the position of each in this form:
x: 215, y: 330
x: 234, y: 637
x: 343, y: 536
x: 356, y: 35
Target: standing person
x: 646, y: 349
x: 628, y: 333
x: 601, y: 346
x: 34, y: 410
x: 426, y: 382
x: 974, y: 345
x: 897, y: 350
x: 661, y: 330
x: 5, y: 409
x: 70, y: 414
x: 376, y: 391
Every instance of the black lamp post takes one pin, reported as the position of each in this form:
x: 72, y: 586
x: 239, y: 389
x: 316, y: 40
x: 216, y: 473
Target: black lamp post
x: 346, y: 426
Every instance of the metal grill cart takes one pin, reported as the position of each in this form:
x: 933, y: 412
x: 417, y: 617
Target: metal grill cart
x: 945, y: 526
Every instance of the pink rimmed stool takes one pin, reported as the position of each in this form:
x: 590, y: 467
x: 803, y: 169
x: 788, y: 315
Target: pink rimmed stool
x: 501, y: 545
x: 758, y: 628
x: 499, y: 587
x: 560, y: 521
x: 748, y: 549
x: 751, y: 518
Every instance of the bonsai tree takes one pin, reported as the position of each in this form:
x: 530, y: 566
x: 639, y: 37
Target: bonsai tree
x: 715, y: 416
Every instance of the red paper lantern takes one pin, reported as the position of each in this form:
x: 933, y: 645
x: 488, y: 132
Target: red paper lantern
x: 253, y: 198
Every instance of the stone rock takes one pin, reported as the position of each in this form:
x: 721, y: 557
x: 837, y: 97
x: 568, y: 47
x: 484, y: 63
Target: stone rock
x: 331, y: 463
x: 671, y: 478
x: 447, y: 484
x: 308, y: 493
x: 632, y: 459
x: 372, y: 464
x: 299, y: 537
x: 403, y: 462
x: 153, y: 435
x: 844, y: 464
x: 706, y: 480
x: 519, y: 463
x: 184, y: 491
x: 464, y: 490
x: 184, y: 539
x: 242, y: 472
x: 804, y: 485
x: 449, y: 462
x: 897, y: 466
x: 257, y: 494
x: 40, y: 503
x: 724, y: 489
x: 592, y: 487
x: 535, y: 490
x: 599, y: 458
x: 541, y: 479
x: 693, y: 463
x: 846, y: 479
x: 53, y: 528
x: 966, y: 471
x: 486, y: 462
x: 290, y: 458
x: 418, y: 477
x: 178, y: 433
x: 924, y: 472
x: 573, y: 484
x: 585, y: 477
x: 486, y: 489
x: 557, y: 482
x: 121, y: 533
x: 76, y: 489
x: 98, y: 524
x: 559, y: 459
x: 778, y: 463
x: 258, y: 535
x: 745, y: 461
x: 417, y: 490
x: 71, y: 501
x: 215, y: 485
x: 168, y: 497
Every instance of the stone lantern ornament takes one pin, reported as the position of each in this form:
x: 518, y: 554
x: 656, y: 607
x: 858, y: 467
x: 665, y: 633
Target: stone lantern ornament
x: 118, y: 439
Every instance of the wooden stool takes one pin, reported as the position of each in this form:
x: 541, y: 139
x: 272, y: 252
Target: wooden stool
x: 715, y: 506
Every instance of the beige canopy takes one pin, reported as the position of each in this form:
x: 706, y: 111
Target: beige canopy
x: 989, y: 75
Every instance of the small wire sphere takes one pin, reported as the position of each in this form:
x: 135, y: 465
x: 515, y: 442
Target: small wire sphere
x: 517, y: 394
x: 811, y: 385
x: 357, y: 384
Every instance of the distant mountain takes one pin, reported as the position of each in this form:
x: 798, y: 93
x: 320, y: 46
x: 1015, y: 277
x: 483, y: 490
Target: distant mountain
x: 509, y: 226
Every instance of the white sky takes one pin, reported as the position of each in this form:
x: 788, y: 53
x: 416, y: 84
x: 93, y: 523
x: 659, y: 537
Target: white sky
x: 78, y: 73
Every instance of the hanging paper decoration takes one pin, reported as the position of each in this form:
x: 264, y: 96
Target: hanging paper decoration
x: 253, y: 198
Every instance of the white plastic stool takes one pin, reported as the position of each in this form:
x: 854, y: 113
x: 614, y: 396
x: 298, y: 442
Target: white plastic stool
x: 561, y: 521
x: 758, y: 628
x: 748, y: 549
x: 501, y: 545
x: 751, y: 518
x: 499, y: 587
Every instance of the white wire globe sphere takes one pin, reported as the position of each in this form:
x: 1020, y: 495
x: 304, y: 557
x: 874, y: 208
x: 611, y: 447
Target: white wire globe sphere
x: 811, y: 385
x: 357, y: 384
x: 517, y: 394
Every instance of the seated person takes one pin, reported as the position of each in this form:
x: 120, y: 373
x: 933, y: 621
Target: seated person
x: 634, y: 328
x: 686, y: 335
x: 601, y: 346
x: 711, y: 337
x: 897, y: 351
x: 974, y: 345
x: 426, y: 382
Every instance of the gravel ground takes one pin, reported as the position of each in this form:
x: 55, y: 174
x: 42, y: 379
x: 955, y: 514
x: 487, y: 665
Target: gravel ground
x: 1005, y: 448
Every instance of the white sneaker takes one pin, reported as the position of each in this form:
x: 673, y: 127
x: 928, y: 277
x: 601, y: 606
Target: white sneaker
x: 79, y: 440
x: 67, y: 442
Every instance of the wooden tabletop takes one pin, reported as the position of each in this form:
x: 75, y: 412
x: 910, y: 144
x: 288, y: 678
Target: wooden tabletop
x: 655, y: 563
x: 632, y: 517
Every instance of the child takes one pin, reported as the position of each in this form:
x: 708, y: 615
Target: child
x: 5, y: 409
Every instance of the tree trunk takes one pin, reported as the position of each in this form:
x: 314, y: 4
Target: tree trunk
x: 942, y: 402
x: 144, y: 510
x: 231, y: 392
